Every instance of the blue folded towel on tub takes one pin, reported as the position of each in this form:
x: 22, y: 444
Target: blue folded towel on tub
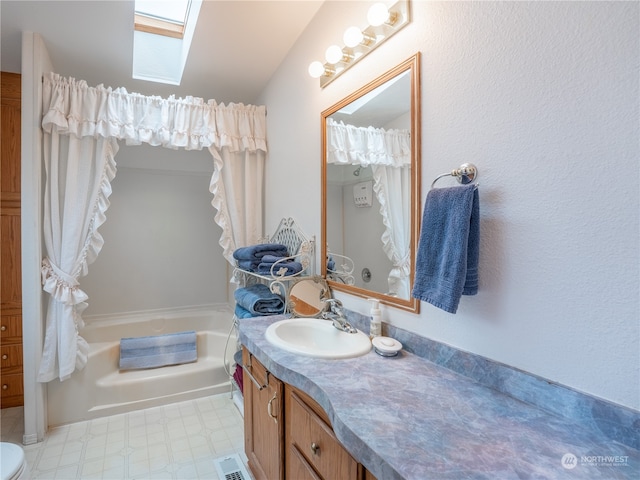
x: 158, y: 351
x: 448, y: 251
x: 258, y: 299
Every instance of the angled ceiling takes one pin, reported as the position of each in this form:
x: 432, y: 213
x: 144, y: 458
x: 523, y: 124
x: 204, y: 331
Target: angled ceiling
x: 237, y: 46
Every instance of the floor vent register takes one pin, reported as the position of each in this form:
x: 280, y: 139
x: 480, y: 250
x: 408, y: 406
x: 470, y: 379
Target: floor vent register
x: 231, y: 468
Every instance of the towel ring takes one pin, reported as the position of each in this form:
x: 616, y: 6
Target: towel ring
x: 467, y: 173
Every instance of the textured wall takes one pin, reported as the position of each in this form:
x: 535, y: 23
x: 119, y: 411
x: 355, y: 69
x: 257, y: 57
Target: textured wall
x: 161, y: 242
x: 543, y: 98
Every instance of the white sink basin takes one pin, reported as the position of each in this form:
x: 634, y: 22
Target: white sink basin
x: 316, y: 338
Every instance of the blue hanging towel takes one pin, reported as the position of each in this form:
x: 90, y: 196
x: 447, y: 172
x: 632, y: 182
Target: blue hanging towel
x: 448, y: 251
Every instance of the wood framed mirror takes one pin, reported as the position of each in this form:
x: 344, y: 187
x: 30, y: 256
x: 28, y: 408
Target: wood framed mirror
x: 371, y: 188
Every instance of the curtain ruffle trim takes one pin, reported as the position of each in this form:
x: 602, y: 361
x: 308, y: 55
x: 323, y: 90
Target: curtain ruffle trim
x: 216, y: 187
x: 351, y: 145
x: 400, y: 262
x: 95, y: 242
x: 72, y: 107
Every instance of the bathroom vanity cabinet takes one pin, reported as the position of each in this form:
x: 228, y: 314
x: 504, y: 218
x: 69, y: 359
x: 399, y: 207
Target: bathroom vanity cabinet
x: 288, y: 435
x: 338, y: 416
x: 263, y: 420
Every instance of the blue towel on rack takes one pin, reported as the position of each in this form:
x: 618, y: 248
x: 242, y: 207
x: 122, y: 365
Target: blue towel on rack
x: 158, y: 350
x: 256, y: 252
x: 258, y: 299
x: 248, y: 265
x: 242, y: 312
x: 290, y: 267
x: 448, y: 251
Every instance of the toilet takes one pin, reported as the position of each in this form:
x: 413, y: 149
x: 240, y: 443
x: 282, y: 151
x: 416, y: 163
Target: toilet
x: 13, y: 466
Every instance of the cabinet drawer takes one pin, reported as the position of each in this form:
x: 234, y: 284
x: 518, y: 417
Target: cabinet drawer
x: 11, y: 385
x: 11, y: 329
x: 317, y: 444
x: 11, y: 359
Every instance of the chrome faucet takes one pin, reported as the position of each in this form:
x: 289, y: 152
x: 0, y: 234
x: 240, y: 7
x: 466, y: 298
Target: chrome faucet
x: 336, y: 315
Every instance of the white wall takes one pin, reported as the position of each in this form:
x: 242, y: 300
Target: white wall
x: 543, y: 98
x: 161, y: 243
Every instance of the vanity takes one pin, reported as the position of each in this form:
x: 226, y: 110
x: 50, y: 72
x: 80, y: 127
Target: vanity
x: 288, y: 434
x: 404, y: 417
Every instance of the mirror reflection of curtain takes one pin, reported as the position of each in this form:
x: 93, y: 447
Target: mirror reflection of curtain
x: 81, y: 126
x: 388, y: 152
x: 393, y: 190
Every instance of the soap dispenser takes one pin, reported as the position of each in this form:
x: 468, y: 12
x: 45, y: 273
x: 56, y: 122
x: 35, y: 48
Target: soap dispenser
x: 375, y: 327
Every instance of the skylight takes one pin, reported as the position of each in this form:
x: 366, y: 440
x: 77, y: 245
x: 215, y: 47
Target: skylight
x: 162, y: 38
x: 162, y: 17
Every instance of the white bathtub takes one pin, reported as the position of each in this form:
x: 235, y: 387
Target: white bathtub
x: 101, y: 389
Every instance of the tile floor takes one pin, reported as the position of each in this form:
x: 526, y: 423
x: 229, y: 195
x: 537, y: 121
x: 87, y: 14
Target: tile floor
x: 177, y: 441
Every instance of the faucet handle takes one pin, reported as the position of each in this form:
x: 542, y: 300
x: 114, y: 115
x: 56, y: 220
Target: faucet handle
x: 335, y: 305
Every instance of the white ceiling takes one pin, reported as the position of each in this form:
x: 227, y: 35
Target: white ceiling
x: 237, y: 46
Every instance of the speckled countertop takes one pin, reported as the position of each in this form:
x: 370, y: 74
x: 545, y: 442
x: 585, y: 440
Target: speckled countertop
x: 408, y: 418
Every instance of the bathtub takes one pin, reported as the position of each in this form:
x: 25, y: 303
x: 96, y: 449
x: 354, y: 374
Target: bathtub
x: 101, y: 389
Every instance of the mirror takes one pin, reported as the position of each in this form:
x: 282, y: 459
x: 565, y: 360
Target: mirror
x: 307, y: 297
x: 371, y: 188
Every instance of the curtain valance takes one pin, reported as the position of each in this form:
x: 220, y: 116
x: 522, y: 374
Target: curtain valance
x: 351, y: 145
x: 72, y: 107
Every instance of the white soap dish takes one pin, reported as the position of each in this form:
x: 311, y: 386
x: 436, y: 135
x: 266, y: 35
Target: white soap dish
x: 386, y: 346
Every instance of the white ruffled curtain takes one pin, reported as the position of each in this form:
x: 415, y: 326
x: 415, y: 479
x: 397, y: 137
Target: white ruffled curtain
x: 81, y: 126
x: 388, y: 152
x: 241, y: 217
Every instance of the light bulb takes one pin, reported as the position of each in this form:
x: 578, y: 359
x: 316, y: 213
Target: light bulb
x: 352, y: 37
x: 316, y: 69
x: 333, y: 54
x: 378, y: 14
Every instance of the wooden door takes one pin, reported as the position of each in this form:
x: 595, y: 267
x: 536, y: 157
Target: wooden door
x: 10, y: 257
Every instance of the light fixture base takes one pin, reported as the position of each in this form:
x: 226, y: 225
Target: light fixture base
x: 374, y: 36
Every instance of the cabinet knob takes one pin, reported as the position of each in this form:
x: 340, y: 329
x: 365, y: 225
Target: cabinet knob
x: 5, y: 356
x: 315, y: 448
x: 5, y: 386
x: 3, y: 328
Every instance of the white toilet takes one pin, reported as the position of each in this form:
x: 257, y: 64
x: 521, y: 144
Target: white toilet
x: 12, y: 463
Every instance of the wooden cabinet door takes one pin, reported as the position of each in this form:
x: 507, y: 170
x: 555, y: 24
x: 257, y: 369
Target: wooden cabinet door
x: 12, y: 393
x: 263, y: 420
x: 297, y: 466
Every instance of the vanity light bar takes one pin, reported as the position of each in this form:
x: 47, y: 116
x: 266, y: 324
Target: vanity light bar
x: 384, y: 22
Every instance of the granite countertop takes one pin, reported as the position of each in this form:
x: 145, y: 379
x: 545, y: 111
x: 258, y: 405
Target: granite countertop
x: 406, y: 417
